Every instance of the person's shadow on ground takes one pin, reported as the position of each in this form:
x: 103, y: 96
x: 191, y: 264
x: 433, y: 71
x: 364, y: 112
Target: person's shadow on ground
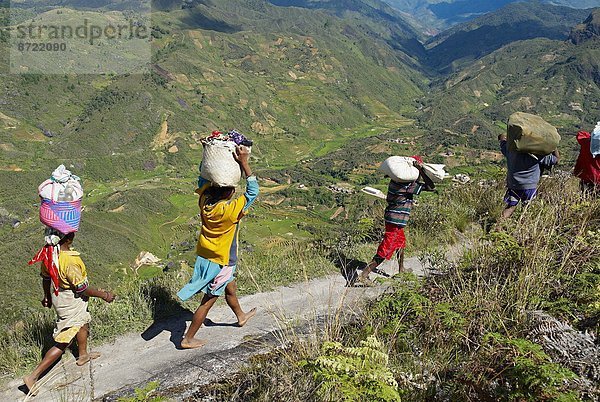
x: 348, y: 266
x: 168, y: 314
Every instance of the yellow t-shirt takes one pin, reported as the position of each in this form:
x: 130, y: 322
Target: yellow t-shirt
x: 219, y: 227
x: 72, y: 274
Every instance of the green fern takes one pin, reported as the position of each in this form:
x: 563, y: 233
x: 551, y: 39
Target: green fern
x: 144, y: 394
x: 354, y: 373
x: 529, y: 372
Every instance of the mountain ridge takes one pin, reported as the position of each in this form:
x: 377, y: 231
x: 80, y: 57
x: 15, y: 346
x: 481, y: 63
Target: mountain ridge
x: 587, y: 30
x: 441, y: 14
x: 514, y: 22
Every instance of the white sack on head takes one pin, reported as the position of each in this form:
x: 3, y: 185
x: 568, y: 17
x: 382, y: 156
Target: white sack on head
x: 61, y: 174
x: 595, y: 141
x: 400, y: 168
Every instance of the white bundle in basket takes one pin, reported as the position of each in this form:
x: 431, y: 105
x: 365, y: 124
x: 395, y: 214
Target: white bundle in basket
x: 400, y: 169
x: 62, y: 186
x: 218, y: 164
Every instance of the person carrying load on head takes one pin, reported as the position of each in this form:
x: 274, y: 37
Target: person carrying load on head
x: 523, y: 174
x: 530, y: 147
x: 587, y: 167
x: 400, y: 201
x: 67, y: 290
x: 217, y: 248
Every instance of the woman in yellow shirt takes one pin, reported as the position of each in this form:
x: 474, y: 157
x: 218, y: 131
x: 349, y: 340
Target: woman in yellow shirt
x: 217, y: 249
x: 70, y: 301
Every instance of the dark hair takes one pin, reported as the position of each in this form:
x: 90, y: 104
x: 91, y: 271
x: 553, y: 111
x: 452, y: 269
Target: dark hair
x: 66, y: 238
x: 215, y: 194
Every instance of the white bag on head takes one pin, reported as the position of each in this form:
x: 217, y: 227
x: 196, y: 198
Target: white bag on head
x: 595, y: 141
x: 400, y: 169
x: 218, y: 164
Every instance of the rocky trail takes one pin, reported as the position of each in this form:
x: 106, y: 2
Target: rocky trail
x: 134, y: 359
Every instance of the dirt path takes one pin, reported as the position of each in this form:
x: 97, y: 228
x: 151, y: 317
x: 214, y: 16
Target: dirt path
x: 135, y: 359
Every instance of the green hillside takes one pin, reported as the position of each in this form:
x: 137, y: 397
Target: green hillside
x: 394, y: 27
x: 309, y: 81
x: 587, y: 30
x: 300, y: 82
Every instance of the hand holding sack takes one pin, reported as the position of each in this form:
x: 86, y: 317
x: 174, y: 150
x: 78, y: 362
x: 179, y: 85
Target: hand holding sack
x: 435, y: 172
x: 218, y: 162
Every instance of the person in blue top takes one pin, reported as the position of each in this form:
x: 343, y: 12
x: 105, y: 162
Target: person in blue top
x: 523, y: 175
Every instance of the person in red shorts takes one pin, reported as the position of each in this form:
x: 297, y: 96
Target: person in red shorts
x: 587, y: 167
x: 400, y: 202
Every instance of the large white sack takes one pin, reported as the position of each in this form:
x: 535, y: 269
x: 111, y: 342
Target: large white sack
x: 434, y: 171
x: 400, y: 168
x: 218, y: 164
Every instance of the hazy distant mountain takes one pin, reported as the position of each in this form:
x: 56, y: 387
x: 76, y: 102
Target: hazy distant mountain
x: 471, y: 40
x: 436, y: 14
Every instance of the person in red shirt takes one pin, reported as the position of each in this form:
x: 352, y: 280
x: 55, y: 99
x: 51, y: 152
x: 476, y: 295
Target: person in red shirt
x: 587, y: 167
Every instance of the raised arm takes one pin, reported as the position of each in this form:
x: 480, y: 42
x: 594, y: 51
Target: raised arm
x: 242, y: 155
x: 429, y: 184
x: 203, y: 184
x: 550, y: 159
x: 503, y: 144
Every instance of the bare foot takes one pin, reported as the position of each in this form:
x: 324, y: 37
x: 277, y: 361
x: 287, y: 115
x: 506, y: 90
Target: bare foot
x: 83, y: 359
x: 363, y: 282
x: 29, y: 383
x: 192, y: 343
x: 246, y: 317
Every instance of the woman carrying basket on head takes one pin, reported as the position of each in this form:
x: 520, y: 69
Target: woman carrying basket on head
x: 64, y: 275
x: 67, y: 290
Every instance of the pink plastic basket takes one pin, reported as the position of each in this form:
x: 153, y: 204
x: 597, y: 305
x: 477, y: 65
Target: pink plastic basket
x: 63, y: 216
